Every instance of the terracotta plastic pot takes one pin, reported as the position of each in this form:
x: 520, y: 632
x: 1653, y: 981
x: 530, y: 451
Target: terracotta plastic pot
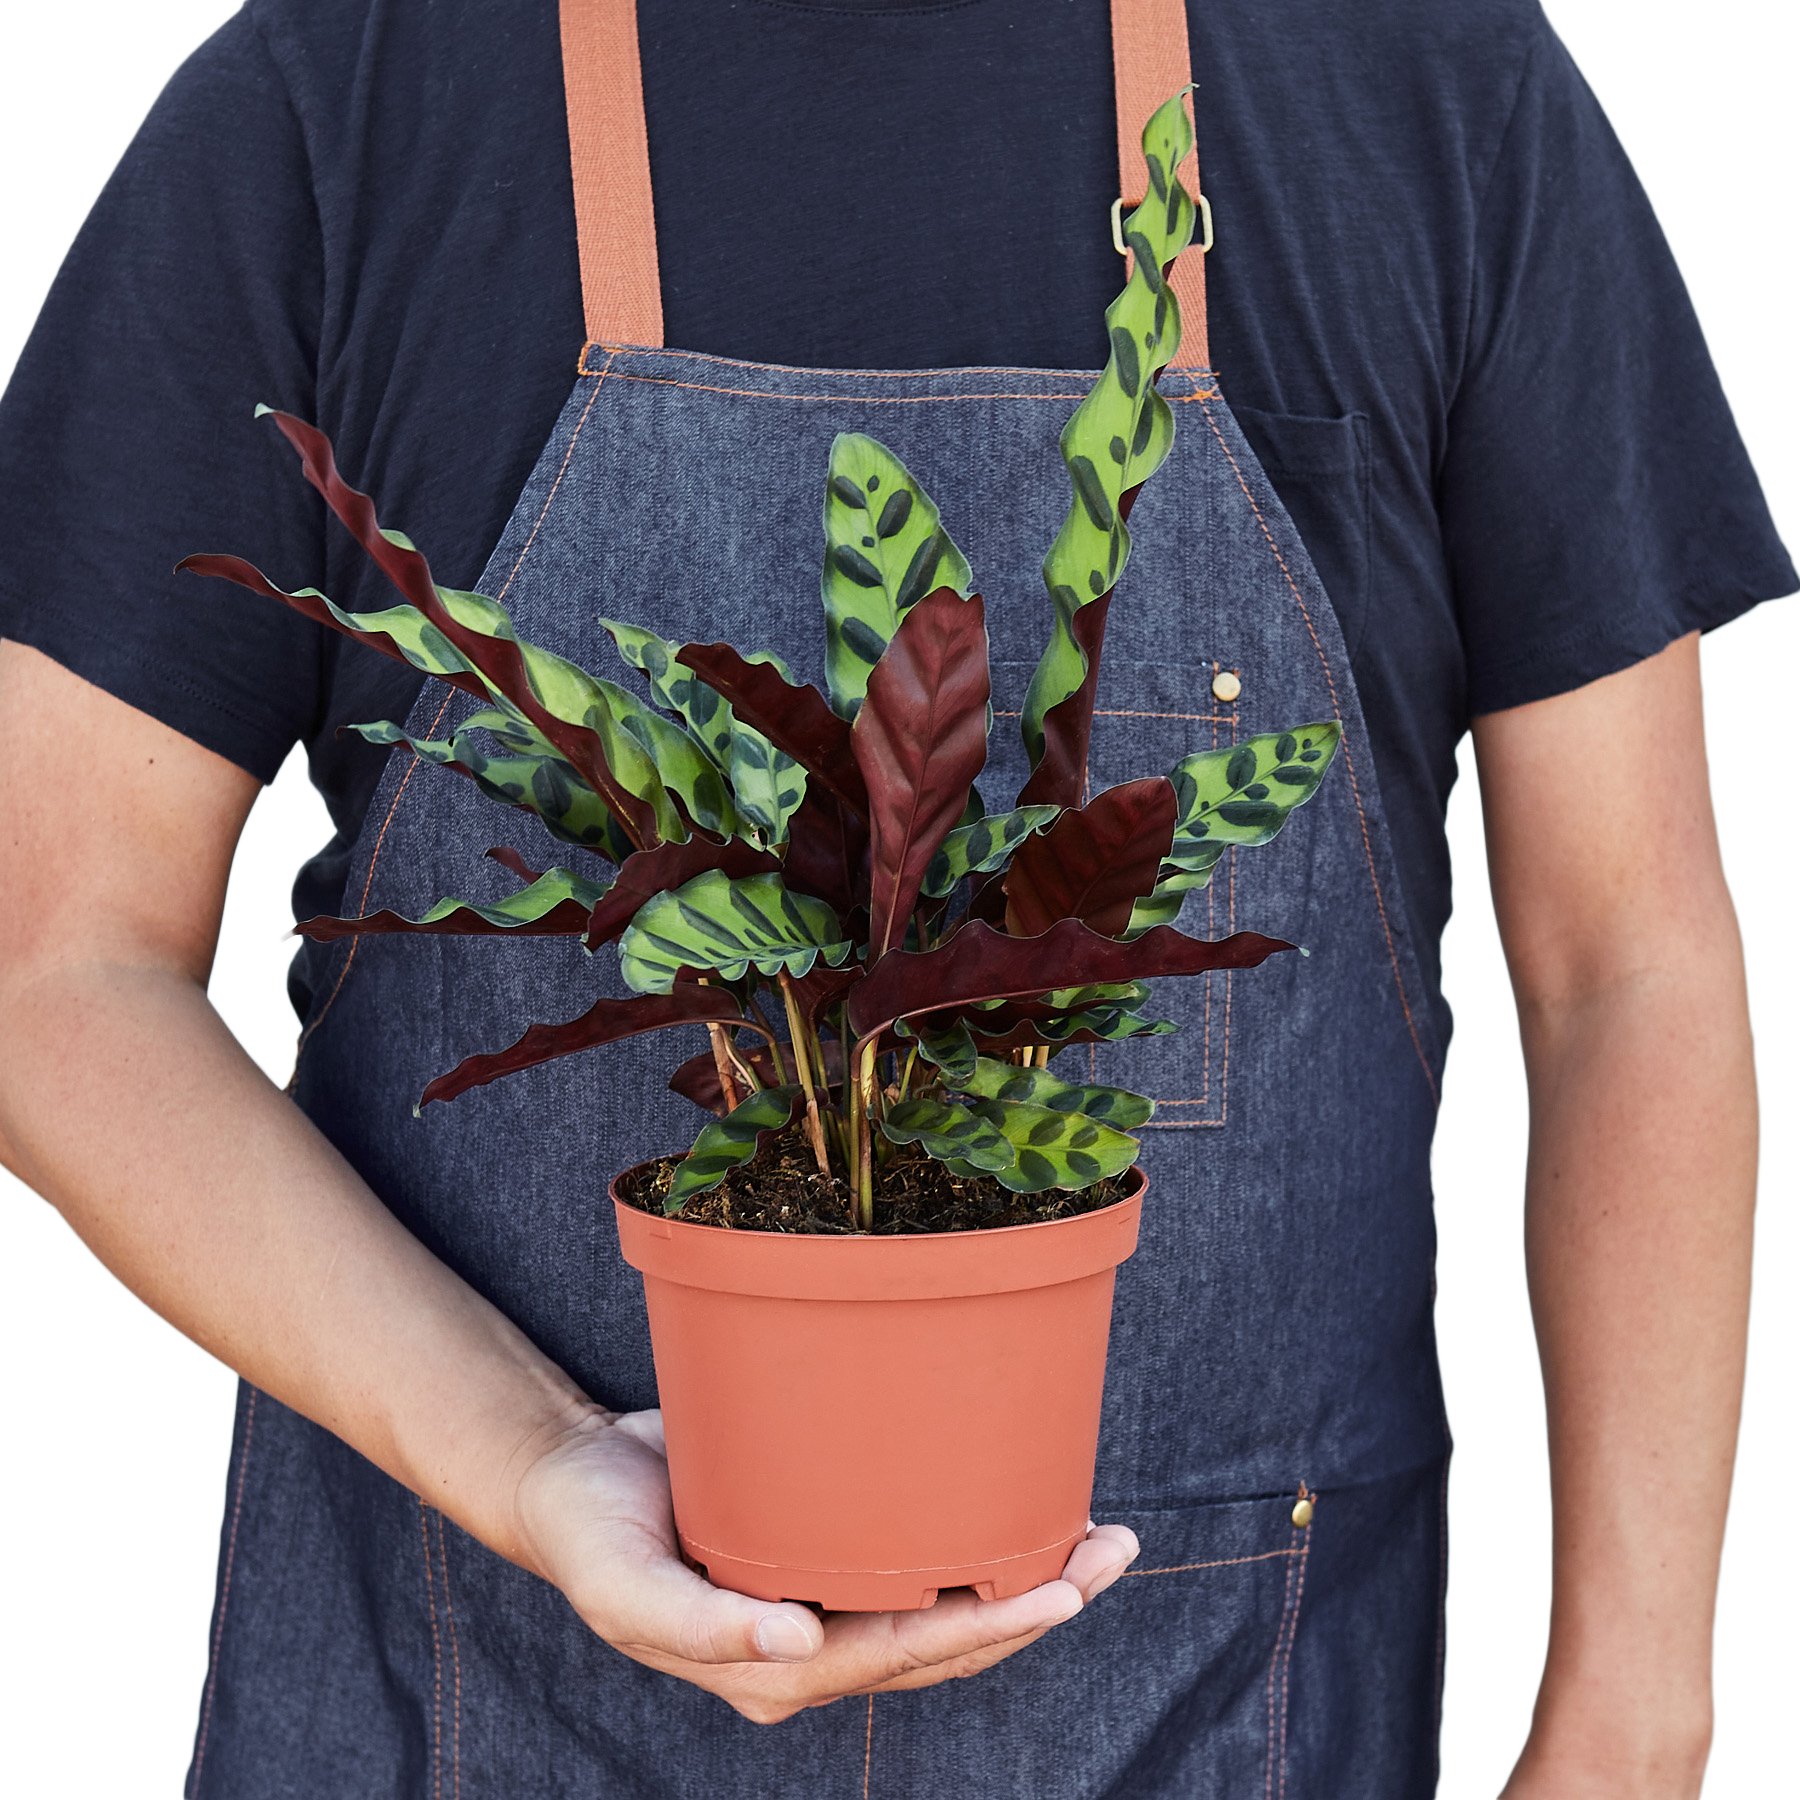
x: 861, y: 1421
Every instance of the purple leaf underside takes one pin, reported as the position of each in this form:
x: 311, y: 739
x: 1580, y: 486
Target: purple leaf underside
x: 1095, y: 863
x: 977, y: 963
x: 920, y: 739
x: 605, y: 1022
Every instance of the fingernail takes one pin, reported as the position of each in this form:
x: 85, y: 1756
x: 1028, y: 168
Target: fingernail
x: 782, y: 1639
x: 1066, y: 1599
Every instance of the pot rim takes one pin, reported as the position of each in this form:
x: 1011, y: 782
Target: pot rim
x: 870, y: 1266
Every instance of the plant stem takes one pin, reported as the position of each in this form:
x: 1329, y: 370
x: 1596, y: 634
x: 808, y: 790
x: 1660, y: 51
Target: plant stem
x: 853, y: 1141
x: 865, y: 1138
x: 746, y: 1070
x: 722, y: 1060
x: 797, y: 1034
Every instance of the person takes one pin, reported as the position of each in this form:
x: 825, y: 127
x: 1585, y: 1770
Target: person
x: 1450, y: 456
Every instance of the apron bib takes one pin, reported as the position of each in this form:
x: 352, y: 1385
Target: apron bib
x: 1273, y: 1428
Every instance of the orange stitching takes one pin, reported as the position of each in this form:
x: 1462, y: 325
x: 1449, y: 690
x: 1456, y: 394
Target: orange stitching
x: 1349, y: 762
x: 1212, y: 893
x: 437, y: 1665
x: 736, y: 362
x: 1115, y: 712
x: 456, y: 1667
x: 868, y: 1746
x: 1215, y: 719
x: 1287, y: 1661
x: 1287, y: 1600
x: 1227, y: 1562
x: 237, y: 1507
x: 1212, y: 922
x: 706, y: 387
x: 562, y: 469
x: 1230, y: 926
x: 362, y: 904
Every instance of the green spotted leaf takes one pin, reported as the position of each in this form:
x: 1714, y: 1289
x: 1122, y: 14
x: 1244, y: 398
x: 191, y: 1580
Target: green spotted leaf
x: 728, y: 927
x: 765, y: 786
x: 984, y: 845
x: 1115, y: 440
x: 1163, y: 904
x: 556, y: 904
x: 728, y: 1143
x: 885, y: 550
x: 563, y: 706
x: 1128, y: 995
x: 948, y: 1132
x: 1102, y: 1025
x: 1239, y: 795
x: 950, y: 1048
x: 676, y: 689
x: 467, y: 640
x: 768, y: 786
x: 524, y: 772
x: 681, y: 762
x: 1053, y: 1149
x: 994, y: 1080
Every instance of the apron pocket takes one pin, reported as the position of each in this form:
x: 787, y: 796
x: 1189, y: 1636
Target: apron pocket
x: 1151, y: 715
x: 1322, y: 471
x: 1177, y: 1682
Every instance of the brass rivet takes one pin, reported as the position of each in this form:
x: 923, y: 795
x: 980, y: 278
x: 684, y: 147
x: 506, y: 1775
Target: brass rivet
x: 1302, y: 1514
x: 1226, y: 686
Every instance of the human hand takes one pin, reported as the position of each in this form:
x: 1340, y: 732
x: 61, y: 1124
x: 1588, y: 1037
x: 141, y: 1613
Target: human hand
x: 594, y: 1511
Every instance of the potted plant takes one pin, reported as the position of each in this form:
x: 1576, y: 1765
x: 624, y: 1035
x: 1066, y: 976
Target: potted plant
x: 879, y: 1281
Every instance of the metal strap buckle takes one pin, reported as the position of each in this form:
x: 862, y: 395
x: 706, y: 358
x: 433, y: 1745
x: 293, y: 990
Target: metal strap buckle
x: 1206, y: 225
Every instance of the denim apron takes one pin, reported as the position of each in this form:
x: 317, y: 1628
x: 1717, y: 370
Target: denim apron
x: 1273, y: 1429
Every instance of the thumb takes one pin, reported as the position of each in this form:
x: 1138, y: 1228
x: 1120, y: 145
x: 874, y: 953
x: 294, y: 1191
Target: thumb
x: 683, y: 1615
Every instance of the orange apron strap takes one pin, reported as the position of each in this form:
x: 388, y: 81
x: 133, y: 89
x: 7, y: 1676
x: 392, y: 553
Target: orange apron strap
x: 609, y: 156
x: 1150, y: 62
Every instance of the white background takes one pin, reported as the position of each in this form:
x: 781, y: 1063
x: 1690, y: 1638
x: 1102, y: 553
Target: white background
x: 116, y: 1429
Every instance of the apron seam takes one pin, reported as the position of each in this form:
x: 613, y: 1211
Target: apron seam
x: 739, y: 393
x: 455, y: 1660
x: 1219, y: 1120
x: 1285, y: 1637
x: 1387, y: 928
x: 1287, y: 1600
x: 231, y: 1537
x: 1287, y: 1665
x: 437, y: 1658
x: 738, y: 362
x: 1223, y: 1562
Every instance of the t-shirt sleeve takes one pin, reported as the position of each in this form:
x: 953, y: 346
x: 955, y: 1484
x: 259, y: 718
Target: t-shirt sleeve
x: 126, y: 434
x: 1597, y: 502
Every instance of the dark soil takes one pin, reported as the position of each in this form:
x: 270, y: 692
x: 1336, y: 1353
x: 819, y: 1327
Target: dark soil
x: 781, y: 1189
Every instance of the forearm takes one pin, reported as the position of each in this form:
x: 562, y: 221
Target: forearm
x: 1640, y: 1194
x: 126, y: 1102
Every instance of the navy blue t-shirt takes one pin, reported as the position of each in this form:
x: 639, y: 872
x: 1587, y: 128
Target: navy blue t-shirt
x: 1441, y: 308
